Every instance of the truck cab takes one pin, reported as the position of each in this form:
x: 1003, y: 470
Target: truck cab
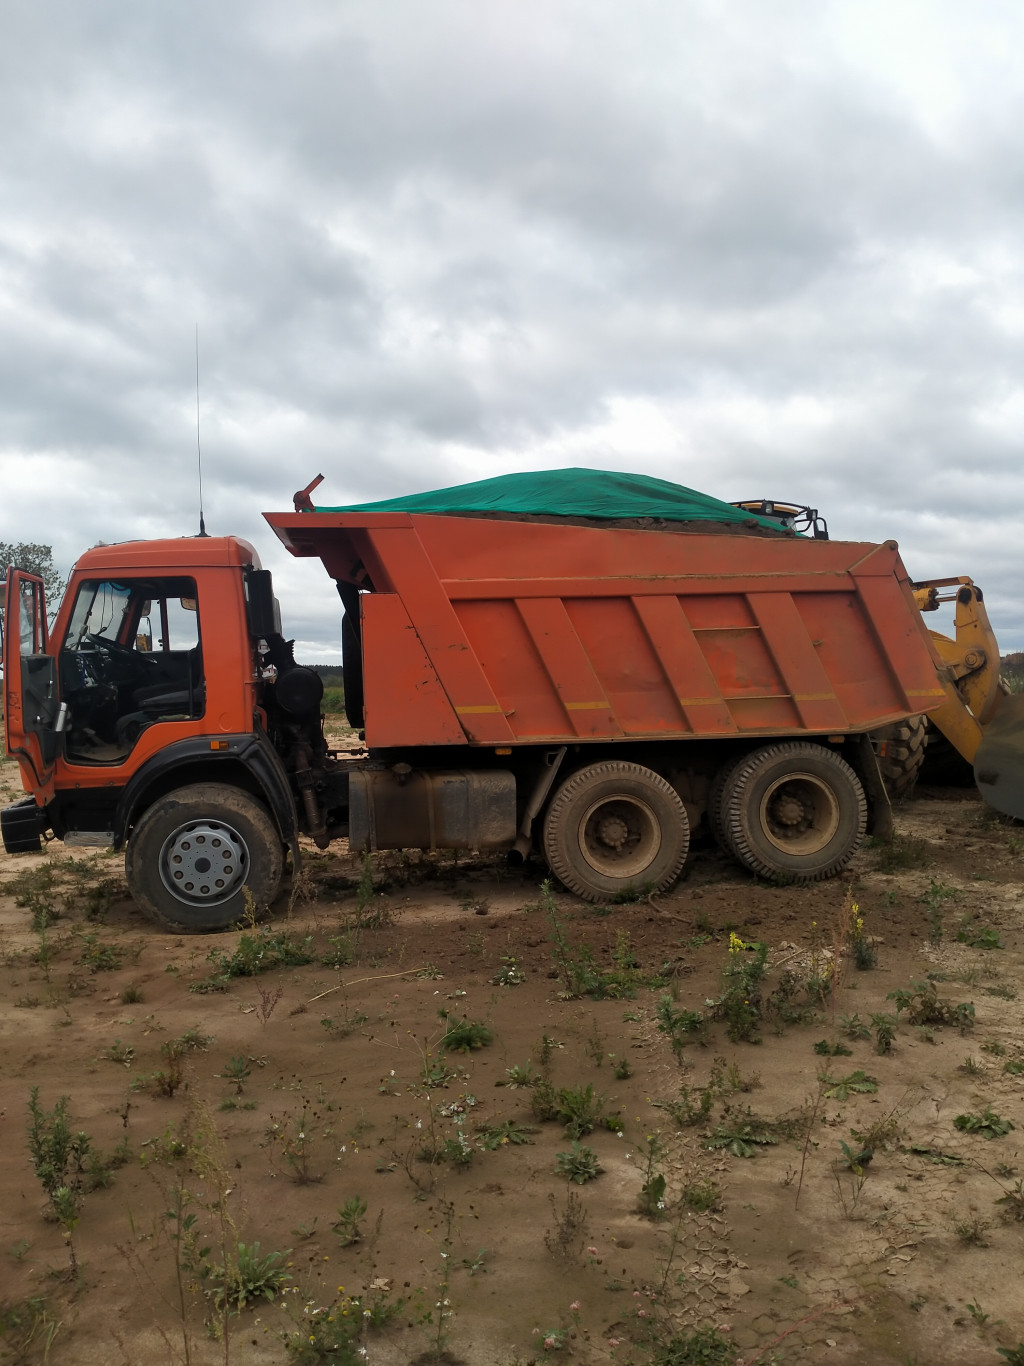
x: 150, y: 681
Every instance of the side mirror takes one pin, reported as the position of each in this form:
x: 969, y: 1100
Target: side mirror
x: 260, y: 607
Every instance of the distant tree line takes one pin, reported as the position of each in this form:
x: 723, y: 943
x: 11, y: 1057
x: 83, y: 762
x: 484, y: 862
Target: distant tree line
x: 1011, y: 670
x: 333, y: 677
x: 34, y: 559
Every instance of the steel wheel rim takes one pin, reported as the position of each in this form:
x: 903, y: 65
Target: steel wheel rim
x: 204, y: 863
x: 799, y: 814
x: 620, y: 836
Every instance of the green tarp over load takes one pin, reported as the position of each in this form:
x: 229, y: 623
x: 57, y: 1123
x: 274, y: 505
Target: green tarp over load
x: 577, y: 495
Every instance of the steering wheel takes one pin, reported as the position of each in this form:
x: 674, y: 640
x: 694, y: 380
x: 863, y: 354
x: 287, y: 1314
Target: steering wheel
x: 125, y: 652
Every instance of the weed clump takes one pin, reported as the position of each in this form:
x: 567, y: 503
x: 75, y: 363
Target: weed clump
x: 988, y: 1124
x: 347, y: 1225
x: 701, y: 1195
x: 257, y: 952
x: 740, y: 1003
x: 296, y: 1136
x: 741, y: 1137
x: 842, y: 1088
x: 651, y: 1200
x: 921, y: 1002
x: 328, y: 1333
x: 935, y: 898
x: 462, y: 1036
x: 566, y: 1238
x: 59, y: 1158
x: 703, y: 1347
x: 579, y: 1165
x: 680, y: 1025
x: 244, y: 1276
x: 901, y: 852
x: 865, y: 955
x: 576, y: 967
x: 579, y: 1108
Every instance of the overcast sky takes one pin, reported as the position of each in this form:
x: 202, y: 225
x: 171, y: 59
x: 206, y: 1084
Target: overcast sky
x: 757, y: 247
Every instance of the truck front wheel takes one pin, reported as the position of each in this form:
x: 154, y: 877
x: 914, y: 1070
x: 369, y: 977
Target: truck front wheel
x: 616, y: 828
x: 194, y: 854
x: 794, y: 810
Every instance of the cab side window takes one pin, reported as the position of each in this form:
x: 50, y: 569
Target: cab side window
x: 132, y: 657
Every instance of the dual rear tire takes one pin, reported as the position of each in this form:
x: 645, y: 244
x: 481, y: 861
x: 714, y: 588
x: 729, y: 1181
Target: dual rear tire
x: 792, y: 810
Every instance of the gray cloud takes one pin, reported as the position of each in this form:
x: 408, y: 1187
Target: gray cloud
x: 773, y: 249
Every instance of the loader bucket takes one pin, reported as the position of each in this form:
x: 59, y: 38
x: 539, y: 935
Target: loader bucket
x: 999, y: 761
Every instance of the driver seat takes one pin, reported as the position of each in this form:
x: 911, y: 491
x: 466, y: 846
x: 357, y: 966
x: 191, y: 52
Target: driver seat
x: 170, y: 698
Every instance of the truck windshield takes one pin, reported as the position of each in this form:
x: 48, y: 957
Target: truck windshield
x: 132, y: 656
x: 100, y: 610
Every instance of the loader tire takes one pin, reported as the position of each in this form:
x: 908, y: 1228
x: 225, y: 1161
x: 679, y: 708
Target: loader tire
x: 616, y: 829
x: 794, y: 811
x: 901, y: 750
x: 203, y: 858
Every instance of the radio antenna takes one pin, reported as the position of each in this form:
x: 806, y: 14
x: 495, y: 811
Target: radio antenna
x: 199, y: 448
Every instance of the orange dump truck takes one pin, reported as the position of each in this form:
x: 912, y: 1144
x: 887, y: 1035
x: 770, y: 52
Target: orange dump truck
x: 584, y: 665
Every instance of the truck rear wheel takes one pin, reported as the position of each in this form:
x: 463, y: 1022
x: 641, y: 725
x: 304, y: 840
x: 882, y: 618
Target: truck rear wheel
x: 614, y: 828
x: 900, y: 748
x: 714, y: 809
x: 195, y: 852
x: 794, y: 810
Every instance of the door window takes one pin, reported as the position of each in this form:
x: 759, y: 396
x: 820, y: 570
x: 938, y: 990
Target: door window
x: 31, y: 618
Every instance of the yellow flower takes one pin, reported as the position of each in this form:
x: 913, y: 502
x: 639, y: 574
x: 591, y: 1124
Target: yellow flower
x: 736, y: 944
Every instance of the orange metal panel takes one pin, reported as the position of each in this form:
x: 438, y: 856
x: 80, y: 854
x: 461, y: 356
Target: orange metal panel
x: 509, y: 656
x: 468, y: 689
x: 896, y: 644
x: 686, y: 668
x: 570, y: 669
x: 631, y: 674
x: 798, y: 665
x: 405, y: 703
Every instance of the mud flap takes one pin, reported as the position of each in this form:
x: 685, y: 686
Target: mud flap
x: 999, y: 762
x: 880, y: 822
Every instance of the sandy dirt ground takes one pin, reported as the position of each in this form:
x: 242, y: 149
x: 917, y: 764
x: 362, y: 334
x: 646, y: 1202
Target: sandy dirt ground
x: 795, y: 1196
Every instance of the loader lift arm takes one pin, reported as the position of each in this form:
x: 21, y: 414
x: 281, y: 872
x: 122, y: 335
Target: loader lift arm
x: 969, y: 663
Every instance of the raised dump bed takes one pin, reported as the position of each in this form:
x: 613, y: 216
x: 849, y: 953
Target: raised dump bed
x: 491, y: 632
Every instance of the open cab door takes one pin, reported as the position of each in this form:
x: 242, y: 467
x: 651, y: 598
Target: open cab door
x: 33, y: 716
